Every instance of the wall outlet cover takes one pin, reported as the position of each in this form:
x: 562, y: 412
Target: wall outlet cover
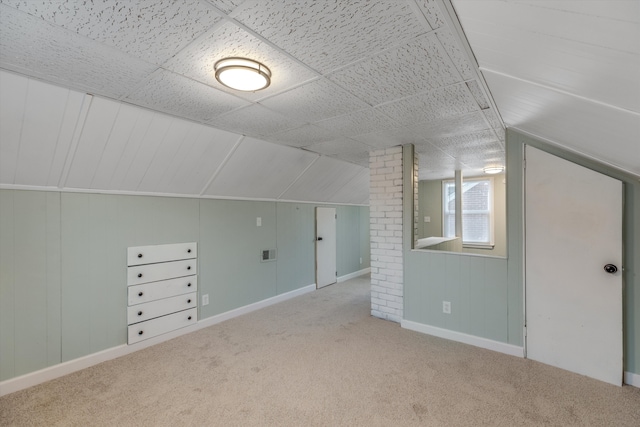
x: 205, y: 299
x: 446, y: 307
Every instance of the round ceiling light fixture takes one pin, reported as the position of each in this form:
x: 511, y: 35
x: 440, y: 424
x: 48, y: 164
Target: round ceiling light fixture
x: 242, y: 74
x: 493, y: 169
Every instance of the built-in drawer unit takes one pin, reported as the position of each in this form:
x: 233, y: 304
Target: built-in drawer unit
x: 162, y: 285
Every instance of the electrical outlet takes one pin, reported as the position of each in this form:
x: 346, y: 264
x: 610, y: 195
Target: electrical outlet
x: 205, y: 299
x: 427, y: 219
x: 446, y: 307
x: 360, y: 260
x: 259, y: 222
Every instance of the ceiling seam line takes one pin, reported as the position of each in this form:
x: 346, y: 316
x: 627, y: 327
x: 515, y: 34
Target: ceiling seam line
x: 298, y: 178
x: 222, y: 165
x: 77, y: 134
x: 564, y: 92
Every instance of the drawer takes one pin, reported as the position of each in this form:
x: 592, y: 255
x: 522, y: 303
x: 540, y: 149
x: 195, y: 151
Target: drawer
x: 166, y: 270
x: 147, y: 292
x: 160, y: 325
x: 150, y: 310
x: 161, y: 253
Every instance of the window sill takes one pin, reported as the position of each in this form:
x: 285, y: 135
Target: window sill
x: 477, y: 246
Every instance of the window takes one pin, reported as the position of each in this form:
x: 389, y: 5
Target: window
x: 477, y: 211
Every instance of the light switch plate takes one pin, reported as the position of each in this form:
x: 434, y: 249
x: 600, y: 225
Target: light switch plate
x: 259, y: 222
x: 205, y: 299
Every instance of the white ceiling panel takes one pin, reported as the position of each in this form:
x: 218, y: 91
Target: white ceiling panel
x: 323, y: 35
x: 363, y: 121
x: 13, y: 104
x: 196, y: 61
x: 458, y: 57
x: 355, y: 191
x: 180, y: 96
x: 254, y: 120
x: 357, y: 158
x: 414, y: 67
x: 322, y: 180
x: 314, y: 101
x: 96, y: 130
x: 197, y: 160
x: 303, y: 136
x: 168, y: 149
x: 130, y: 26
x: 578, y: 124
x: 432, y: 12
x: 339, y: 146
x: 444, y: 103
x: 260, y: 169
x: 227, y: 6
x: 49, y: 111
x: 31, y: 46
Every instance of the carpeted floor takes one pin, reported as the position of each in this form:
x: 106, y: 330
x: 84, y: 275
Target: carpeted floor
x: 319, y: 359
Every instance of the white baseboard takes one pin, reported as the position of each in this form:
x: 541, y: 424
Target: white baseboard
x: 498, y: 346
x: 65, y: 368
x: 632, y: 379
x: 354, y: 274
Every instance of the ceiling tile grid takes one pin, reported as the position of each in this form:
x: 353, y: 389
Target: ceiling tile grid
x: 174, y: 94
x: 459, y: 59
x: 314, y: 101
x: 447, y: 102
x: 338, y: 146
x: 329, y: 34
x: 302, y: 136
x: 197, y: 60
x: 31, y: 46
x: 358, y: 122
x: 414, y: 67
x: 149, y: 30
x: 254, y: 120
x: 432, y: 13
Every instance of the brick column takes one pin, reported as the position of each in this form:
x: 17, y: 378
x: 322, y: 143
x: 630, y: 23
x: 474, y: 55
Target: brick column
x: 385, y: 201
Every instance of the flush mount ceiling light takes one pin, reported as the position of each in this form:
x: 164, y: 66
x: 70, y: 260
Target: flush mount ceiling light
x: 493, y: 169
x: 242, y: 74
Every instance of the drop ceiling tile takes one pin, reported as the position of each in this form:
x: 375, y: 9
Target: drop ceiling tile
x: 322, y: 180
x: 227, y: 6
x: 302, y: 136
x: 260, y: 169
x: 331, y: 33
x: 465, y: 141
x: 36, y: 48
x: 414, y: 67
x: 444, y: 103
x: 432, y: 12
x: 359, y: 122
x: 314, y: 101
x: 149, y: 30
x: 254, y: 120
x: 183, y: 97
x: 360, y: 158
x: 196, y: 61
x: 338, y: 146
x: 478, y: 94
x: 456, y: 54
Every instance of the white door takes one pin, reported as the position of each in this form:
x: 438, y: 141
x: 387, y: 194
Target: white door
x: 573, y: 226
x: 326, y: 272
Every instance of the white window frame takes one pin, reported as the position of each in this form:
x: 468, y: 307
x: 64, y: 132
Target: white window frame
x: 446, y: 213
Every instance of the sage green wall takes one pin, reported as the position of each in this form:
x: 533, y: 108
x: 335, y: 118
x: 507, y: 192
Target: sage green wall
x: 486, y: 294
x: 63, y: 263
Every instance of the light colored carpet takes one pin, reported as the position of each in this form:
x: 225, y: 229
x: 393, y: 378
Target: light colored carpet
x: 319, y: 359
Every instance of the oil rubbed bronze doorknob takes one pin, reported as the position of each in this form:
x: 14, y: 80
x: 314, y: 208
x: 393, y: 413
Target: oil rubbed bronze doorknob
x: 610, y: 268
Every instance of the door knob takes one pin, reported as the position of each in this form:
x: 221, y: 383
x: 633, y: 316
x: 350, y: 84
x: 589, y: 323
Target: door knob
x: 610, y: 268
x: 319, y: 238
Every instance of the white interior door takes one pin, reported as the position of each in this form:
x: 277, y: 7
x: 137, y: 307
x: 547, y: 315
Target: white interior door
x: 573, y: 227
x: 326, y: 272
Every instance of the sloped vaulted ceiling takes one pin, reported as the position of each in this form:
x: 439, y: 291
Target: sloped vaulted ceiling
x: 136, y: 107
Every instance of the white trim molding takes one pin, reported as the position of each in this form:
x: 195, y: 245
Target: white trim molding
x: 632, y: 379
x: 52, y: 372
x: 354, y: 275
x: 498, y: 346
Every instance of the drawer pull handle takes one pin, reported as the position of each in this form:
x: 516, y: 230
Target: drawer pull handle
x: 139, y: 313
x: 189, y: 301
x: 140, y: 294
x: 188, y: 251
x: 141, y: 332
x: 139, y: 274
x: 189, y: 318
x: 139, y: 255
x: 189, y: 285
x: 189, y: 267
